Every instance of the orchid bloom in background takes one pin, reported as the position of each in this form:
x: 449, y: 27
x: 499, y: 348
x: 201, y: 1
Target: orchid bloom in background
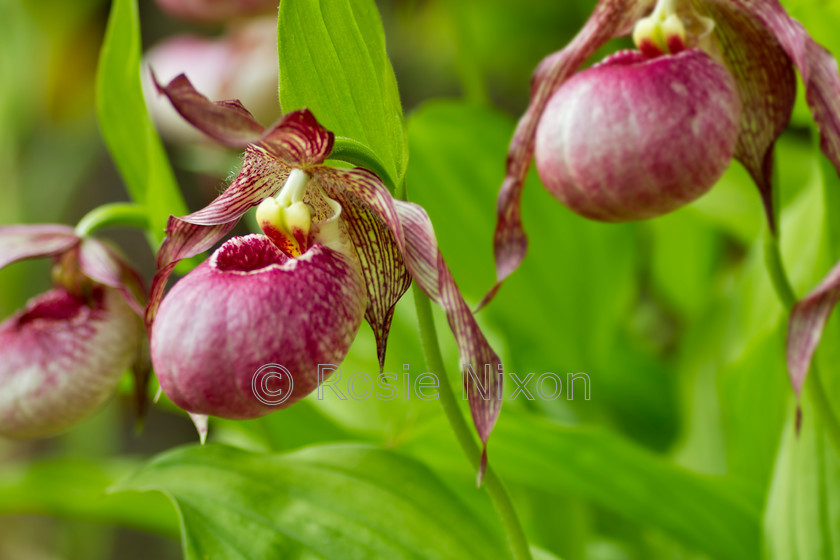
x: 646, y: 131
x: 65, y: 352
x: 217, y: 11
x: 336, y: 247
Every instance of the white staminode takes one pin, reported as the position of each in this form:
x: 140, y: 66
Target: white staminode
x: 294, y: 187
x: 287, y: 212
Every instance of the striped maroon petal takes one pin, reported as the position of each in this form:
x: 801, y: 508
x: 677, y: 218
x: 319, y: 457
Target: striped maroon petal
x: 766, y: 85
x: 806, y: 325
x: 380, y: 257
x: 227, y: 122
x: 817, y: 67
x: 414, y: 235
x: 300, y: 140
x: 34, y: 241
x: 297, y: 140
x: 610, y: 18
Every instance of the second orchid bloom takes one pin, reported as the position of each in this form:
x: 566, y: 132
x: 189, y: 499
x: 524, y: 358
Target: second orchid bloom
x: 336, y: 247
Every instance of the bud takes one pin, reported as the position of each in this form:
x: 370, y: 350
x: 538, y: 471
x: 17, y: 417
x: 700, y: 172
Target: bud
x: 63, y: 356
x: 250, y: 305
x: 636, y: 137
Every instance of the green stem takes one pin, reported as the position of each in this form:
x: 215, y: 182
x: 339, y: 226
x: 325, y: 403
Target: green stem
x: 115, y: 214
x: 814, y: 385
x: 493, y: 484
x: 356, y: 153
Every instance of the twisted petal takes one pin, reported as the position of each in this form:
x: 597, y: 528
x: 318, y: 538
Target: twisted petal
x: 298, y: 139
x: 381, y: 259
x: 816, y: 65
x: 610, y: 18
x: 227, y: 122
x: 766, y: 84
x: 28, y: 242
x: 807, y: 322
x: 415, y: 237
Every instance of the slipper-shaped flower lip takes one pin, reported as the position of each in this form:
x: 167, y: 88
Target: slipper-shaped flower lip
x: 248, y: 306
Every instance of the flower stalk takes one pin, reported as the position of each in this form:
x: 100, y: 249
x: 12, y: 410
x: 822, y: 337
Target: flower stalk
x: 116, y: 214
x: 786, y: 295
x: 493, y: 484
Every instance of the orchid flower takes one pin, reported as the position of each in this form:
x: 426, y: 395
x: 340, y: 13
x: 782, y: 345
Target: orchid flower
x: 66, y: 351
x: 641, y: 134
x: 336, y: 246
x: 217, y: 11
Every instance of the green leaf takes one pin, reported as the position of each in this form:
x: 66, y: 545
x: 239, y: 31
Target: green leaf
x: 332, y: 501
x: 802, y: 521
x: 126, y: 126
x: 333, y: 61
x: 711, y: 514
x: 76, y: 489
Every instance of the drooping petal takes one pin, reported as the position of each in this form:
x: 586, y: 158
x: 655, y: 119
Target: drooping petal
x: 298, y: 139
x: 227, y: 122
x: 183, y: 240
x: 260, y: 177
x: 414, y: 235
x: 33, y: 241
x: 475, y: 351
x: 766, y: 84
x: 610, y: 18
x: 807, y: 322
x: 386, y: 276
x: 816, y: 65
x: 240, y: 64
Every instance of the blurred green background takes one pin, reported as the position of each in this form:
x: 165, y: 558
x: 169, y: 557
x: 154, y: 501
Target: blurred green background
x: 684, y: 451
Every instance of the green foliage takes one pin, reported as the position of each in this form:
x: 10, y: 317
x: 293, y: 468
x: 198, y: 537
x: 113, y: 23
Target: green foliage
x: 340, y: 501
x: 125, y: 123
x: 333, y: 61
x: 688, y: 446
x: 803, y: 512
